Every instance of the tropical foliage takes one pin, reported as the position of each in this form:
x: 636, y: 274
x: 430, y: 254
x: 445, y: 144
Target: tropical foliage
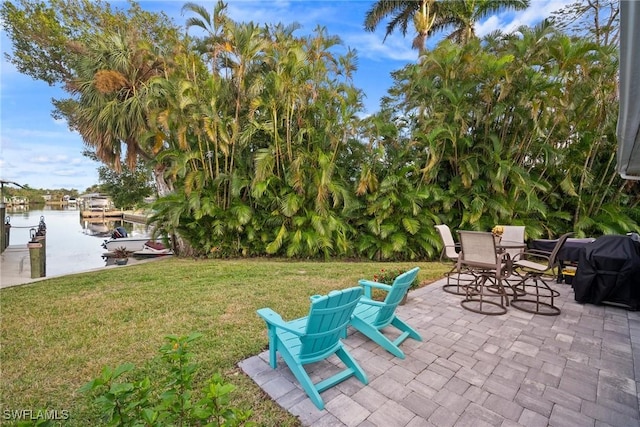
x: 513, y: 129
x: 127, y: 188
x: 257, y: 149
x: 430, y: 17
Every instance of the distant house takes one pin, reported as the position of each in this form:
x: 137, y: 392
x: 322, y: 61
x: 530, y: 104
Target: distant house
x: 19, y: 201
x: 47, y: 197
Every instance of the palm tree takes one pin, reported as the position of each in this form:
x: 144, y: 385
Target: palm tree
x: 214, y: 25
x: 422, y: 12
x: 431, y: 16
x: 113, y: 105
x: 463, y: 15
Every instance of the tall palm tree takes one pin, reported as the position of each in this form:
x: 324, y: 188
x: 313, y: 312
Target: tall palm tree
x: 462, y: 16
x: 422, y: 12
x: 213, y: 25
x: 113, y: 104
x: 431, y: 16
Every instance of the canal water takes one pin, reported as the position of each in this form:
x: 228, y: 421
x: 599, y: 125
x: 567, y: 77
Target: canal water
x: 73, y: 244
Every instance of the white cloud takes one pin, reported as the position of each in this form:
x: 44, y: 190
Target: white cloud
x: 33, y: 158
x: 508, y: 22
x: 489, y: 25
x: 66, y: 172
x: 370, y: 46
x: 42, y: 159
x: 34, y: 134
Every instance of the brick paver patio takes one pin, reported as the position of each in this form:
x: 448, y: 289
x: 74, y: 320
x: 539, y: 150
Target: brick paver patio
x: 581, y: 368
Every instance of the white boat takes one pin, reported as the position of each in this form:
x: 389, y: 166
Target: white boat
x: 95, y: 202
x: 98, y: 203
x: 131, y: 244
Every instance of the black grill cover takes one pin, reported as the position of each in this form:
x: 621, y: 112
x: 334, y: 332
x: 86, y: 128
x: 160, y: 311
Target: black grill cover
x: 609, y: 271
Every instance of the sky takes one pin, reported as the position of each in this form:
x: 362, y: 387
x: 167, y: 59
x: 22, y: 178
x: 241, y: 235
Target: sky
x: 41, y: 152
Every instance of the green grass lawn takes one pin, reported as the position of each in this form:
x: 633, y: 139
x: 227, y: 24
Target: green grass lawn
x: 57, y: 334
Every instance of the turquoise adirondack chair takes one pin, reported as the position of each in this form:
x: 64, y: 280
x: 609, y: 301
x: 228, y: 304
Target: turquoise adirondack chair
x: 370, y: 316
x: 315, y: 338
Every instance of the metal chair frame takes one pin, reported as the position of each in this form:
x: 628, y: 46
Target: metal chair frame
x: 489, y: 268
x: 539, y: 297
x: 451, y: 249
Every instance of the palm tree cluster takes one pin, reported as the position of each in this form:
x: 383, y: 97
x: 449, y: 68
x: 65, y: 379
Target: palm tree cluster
x: 517, y: 129
x: 253, y: 135
x: 430, y: 17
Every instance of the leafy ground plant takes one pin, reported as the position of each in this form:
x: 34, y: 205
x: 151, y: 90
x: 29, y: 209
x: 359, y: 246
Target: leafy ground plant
x: 387, y: 276
x: 165, y: 402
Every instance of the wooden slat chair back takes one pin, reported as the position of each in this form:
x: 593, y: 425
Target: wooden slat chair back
x: 314, y: 338
x: 328, y: 317
x: 371, y: 316
x: 398, y: 290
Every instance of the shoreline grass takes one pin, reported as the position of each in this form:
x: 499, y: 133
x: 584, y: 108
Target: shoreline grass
x: 57, y: 334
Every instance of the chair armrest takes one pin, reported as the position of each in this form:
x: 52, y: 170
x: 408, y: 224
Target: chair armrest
x: 273, y: 319
x: 532, y: 254
x: 372, y: 302
x: 369, y: 284
x: 538, y: 252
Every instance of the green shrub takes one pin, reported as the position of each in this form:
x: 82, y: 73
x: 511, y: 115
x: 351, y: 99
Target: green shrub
x: 387, y: 276
x: 169, y: 403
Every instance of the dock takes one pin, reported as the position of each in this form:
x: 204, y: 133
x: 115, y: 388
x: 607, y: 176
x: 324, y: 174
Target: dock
x: 101, y: 214
x: 15, y: 266
x: 130, y: 216
x: 139, y: 218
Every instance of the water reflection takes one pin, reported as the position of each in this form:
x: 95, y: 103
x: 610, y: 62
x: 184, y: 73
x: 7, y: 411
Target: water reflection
x: 73, y: 243
x: 103, y: 227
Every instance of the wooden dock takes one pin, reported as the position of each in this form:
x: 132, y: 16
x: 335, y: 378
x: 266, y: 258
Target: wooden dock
x: 16, y: 266
x: 130, y: 216
x: 135, y: 217
x: 101, y: 214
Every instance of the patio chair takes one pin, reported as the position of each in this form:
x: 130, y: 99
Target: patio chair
x: 538, y: 296
x: 513, y: 233
x: 314, y: 338
x: 490, y: 268
x: 370, y: 316
x: 450, y: 250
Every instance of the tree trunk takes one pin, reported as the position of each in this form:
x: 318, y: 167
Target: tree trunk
x: 179, y: 245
